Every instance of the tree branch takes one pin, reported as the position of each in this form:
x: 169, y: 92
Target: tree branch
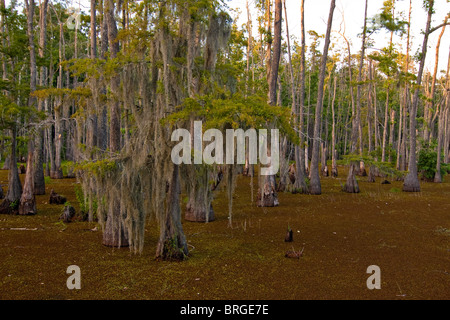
x: 445, y: 23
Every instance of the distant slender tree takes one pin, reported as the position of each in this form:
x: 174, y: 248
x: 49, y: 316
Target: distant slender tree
x: 39, y: 180
x: 411, y: 183
x: 27, y: 205
x: 315, y: 186
x: 300, y: 183
x: 115, y: 233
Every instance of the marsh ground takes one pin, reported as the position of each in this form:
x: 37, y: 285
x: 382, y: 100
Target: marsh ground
x: 406, y: 235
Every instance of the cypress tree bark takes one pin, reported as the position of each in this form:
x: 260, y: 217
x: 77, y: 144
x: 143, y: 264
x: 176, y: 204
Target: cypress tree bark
x: 334, y: 169
x: 358, y: 90
x: 267, y: 195
x: 11, y: 202
x: 315, y: 186
x: 411, y: 183
x: 114, y: 233
x: 27, y: 204
x: 403, y: 158
x: 56, y: 172
x: 172, y: 244
x: 39, y: 179
x: 443, y: 113
x: 300, y: 170
x: 92, y: 123
x: 351, y: 186
x: 446, y: 132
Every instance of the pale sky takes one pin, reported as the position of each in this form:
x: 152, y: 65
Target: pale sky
x: 316, y: 16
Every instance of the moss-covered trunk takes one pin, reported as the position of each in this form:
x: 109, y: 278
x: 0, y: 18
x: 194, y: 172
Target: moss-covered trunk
x: 172, y: 243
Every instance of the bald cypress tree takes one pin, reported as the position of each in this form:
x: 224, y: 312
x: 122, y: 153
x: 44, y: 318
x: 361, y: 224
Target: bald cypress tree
x: 411, y: 183
x: 315, y: 186
x: 267, y: 194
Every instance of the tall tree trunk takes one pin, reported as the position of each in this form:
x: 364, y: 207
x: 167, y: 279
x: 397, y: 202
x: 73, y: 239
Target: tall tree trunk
x: 370, y: 109
x: 385, y: 127
x: 102, y: 127
x: 58, y: 107
x: 334, y: 168
x: 358, y: 123
x: 430, y: 102
x: 275, y: 61
x: 248, y: 168
x: 315, y: 186
x: 442, y: 119
x: 114, y: 134
x: 354, y: 135
x: 11, y: 202
x: 3, y: 32
x: 438, y: 176
x: 447, y: 118
x: 411, y: 183
x: 268, y: 54
x: 199, y: 207
x: 402, y: 165
x: 172, y: 244
x: 114, y: 229
x: 375, y: 110
x: 30, y: 31
x: 303, y: 142
x: 300, y: 183
x: 27, y: 204
x: 92, y: 123
x: 358, y: 90
x: 267, y: 194
x: 391, y: 134
x: 93, y: 30
x: 39, y: 179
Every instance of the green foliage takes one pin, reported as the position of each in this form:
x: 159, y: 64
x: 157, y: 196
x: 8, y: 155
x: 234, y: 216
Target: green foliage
x: 67, y: 167
x: 99, y: 168
x: 83, y: 203
x: 48, y: 180
x: 428, y: 161
x: 172, y: 249
x: 387, y: 168
x: 236, y: 112
x: 14, y: 91
x: 79, y: 194
x: 387, y: 60
x: 386, y: 20
x: 14, y: 205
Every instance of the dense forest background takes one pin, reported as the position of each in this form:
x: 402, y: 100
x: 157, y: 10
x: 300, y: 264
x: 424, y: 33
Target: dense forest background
x: 96, y: 95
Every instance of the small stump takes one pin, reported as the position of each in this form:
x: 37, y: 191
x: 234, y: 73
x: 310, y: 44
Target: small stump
x: 56, y: 198
x: 371, y: 177
x: 22, y: 169
x: 334, y: 171
x: 67, y: 214
x: 325, y: 172
x: 351, y: 186
x: 289, y: 236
